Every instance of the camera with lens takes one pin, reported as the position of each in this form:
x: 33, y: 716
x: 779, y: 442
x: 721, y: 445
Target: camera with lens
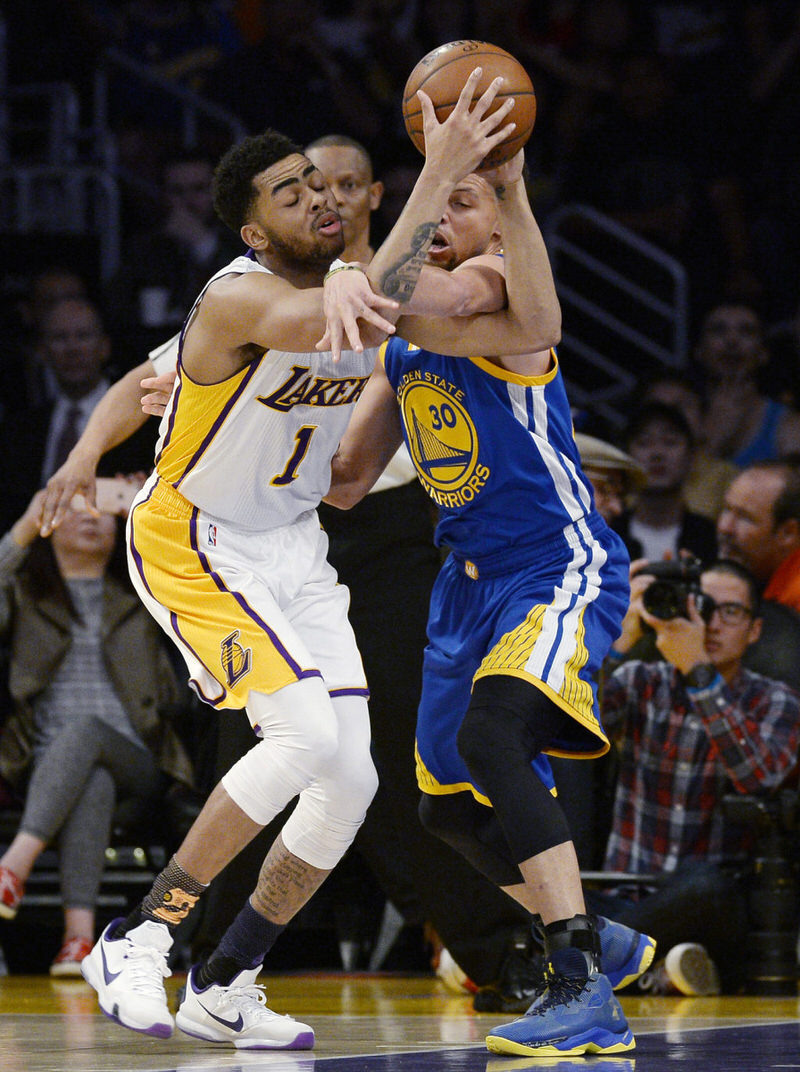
x: 675, y: 580
x: 771, y: 875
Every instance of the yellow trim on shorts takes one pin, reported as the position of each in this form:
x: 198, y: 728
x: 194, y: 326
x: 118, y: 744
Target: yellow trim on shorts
x: 428, y: 784
x: 512, y: 652
x: 210, y: 619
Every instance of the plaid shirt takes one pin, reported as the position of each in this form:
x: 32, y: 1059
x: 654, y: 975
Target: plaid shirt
x: 681, y: 750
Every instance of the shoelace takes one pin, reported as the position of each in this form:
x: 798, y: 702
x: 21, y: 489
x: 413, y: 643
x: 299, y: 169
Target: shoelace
x: 561, y: 989
x: 251, y: 999
x: 145, y: 963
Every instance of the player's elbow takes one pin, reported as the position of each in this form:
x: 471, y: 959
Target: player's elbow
x: 343, y: 497
x: 552, y: 327
x: 545, y: 323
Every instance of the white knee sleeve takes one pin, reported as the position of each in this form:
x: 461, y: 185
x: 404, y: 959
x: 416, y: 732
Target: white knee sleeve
x: 329, y: 812
x: 300, y: 736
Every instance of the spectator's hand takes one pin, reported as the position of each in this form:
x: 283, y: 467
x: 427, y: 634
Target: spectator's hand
x: 682, y: 641
x: 159, y: 391
x: 347, y: 299
x: 26, y: 529
x: 75, y: 477
x: 632, y: 622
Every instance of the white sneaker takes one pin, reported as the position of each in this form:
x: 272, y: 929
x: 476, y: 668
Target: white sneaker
x: 238, y: 1013
x: 127, y: 974
x: 691, y: 970
x: 686, y: 969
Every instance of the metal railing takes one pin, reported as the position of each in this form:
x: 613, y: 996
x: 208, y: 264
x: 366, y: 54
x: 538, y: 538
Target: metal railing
x: 624, y: 308
x: 192, y: 108
x: 49, y: 200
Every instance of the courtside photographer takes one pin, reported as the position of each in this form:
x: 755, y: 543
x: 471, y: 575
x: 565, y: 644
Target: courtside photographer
x: 691, y: 728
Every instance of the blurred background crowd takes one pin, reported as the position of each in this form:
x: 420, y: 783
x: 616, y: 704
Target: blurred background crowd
x: 664, y: 171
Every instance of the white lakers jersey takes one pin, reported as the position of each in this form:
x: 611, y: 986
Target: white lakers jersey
x: 256, y: 449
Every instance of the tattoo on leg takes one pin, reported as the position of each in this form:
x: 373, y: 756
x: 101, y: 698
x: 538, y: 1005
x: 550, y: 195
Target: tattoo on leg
x: 285, y: 884
x: 401, y: 278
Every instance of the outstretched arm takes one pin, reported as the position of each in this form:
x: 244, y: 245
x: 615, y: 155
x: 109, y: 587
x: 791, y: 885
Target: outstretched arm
x: 453, y: 149
x: 531, y: 323
x: 116, y: 416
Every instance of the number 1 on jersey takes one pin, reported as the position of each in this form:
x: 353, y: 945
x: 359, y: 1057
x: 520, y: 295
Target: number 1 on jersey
x: 302, y: 440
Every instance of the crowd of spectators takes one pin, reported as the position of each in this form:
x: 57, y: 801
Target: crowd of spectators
x: 675, y: 118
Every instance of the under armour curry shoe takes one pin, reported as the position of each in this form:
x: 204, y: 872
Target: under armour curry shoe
x: 624, y: 955
x: 624, y: 952
x: 238, y: 1014
x: 128, y: 974
x: 572, y: 1017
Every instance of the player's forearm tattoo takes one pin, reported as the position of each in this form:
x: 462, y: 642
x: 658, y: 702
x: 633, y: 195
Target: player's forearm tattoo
x: 400, y: 279
x: 500, y: 193
x: 285, y: 884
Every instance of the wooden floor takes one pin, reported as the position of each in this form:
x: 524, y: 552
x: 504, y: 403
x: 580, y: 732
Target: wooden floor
x: 387, y: 1023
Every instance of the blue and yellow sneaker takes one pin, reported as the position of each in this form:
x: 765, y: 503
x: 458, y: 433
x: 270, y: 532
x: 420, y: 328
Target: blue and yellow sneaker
x: 573, y: 1016
x: 624, y: 953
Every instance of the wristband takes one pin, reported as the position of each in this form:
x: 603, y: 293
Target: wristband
x: 701, y: 676
x: 341, y: 266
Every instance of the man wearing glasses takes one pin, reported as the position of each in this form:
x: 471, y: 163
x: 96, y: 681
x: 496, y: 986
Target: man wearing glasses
x: 691, y: 729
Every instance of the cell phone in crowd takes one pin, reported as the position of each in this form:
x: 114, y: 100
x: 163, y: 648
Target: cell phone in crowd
x: 114, y: 495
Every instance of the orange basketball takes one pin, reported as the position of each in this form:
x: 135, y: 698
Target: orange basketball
x: 442, y: 74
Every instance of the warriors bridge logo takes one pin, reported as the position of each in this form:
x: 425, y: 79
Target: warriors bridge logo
x: 442, y: 438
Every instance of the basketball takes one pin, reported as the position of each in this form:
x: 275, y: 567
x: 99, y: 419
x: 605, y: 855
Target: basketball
x: 442, y: 74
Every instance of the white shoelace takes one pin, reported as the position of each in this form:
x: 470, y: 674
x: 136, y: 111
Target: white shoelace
x: 250, y: 999
x: 147, y: 967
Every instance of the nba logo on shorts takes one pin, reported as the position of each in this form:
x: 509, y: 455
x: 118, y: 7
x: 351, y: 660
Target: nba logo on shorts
x: 212, y: 535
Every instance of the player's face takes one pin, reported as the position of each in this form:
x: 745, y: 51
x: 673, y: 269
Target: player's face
x: 468, y: 225
x: 296, y: 213
x: 349, y: 176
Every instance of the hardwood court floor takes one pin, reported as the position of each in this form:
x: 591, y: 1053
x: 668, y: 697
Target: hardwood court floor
x: 387, y: 1023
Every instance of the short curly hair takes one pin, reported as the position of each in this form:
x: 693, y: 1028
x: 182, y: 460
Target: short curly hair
x: 234, y: 192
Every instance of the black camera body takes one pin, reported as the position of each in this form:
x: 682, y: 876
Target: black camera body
x: 772, y: 884
x: 667, y: 596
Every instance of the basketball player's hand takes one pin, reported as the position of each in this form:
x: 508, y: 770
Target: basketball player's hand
x: 507, y: 173
x: 75, y: 477
x: 347, y: 299
x: 458, y: 145
x: 159, y: 391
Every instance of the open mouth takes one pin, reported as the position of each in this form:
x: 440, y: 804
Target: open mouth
x: 439, y: 243
x: 329, y: 223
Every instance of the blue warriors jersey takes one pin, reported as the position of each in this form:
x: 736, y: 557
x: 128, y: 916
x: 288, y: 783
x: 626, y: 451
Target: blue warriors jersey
x: 536, y: 585
x: 493, y: 449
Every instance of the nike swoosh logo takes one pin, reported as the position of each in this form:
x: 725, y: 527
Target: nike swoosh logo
x: 233, y: 1025
x: 109, y: 976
